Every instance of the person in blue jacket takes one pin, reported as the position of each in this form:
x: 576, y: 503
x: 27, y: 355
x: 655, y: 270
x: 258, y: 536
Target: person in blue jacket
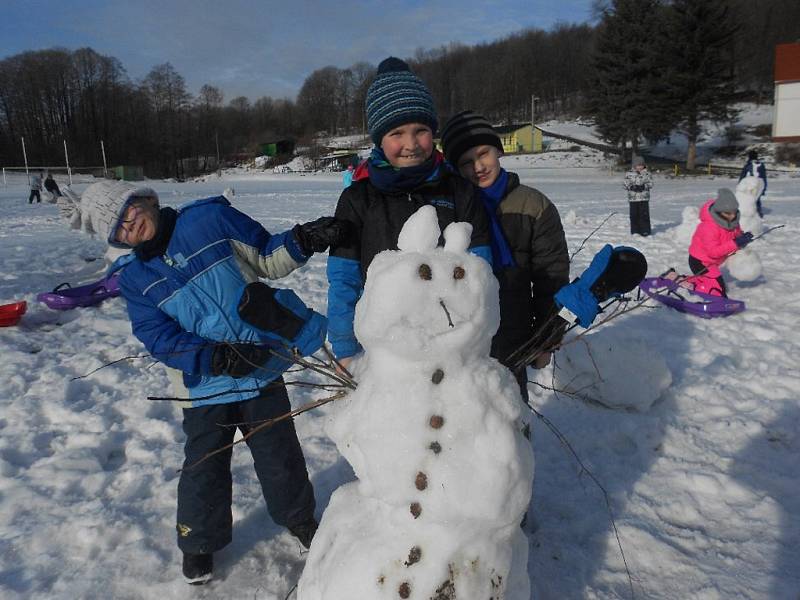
x: 196, y: 303
x: 755, y: 168
x: 347, y: 176
x: 403, y: 173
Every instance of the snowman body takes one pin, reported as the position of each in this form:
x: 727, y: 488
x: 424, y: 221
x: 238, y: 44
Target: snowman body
x: 434, y: 435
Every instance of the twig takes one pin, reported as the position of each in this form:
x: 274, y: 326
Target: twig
x: 565, y: 442
x: 586, y: 239
x: 265, y: 424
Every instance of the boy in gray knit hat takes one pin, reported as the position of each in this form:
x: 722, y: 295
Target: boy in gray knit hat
x: 638, y: 183
x: 529, y: 250
x: 403, y: 173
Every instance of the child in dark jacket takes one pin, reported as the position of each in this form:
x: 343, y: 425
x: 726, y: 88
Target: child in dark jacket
x: 195, y: 302
x: 717, y: 236
x: 529, y: 250
x: 403, y: 173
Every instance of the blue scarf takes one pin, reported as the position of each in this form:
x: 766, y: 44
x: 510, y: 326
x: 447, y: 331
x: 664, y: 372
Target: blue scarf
x: 387, y: 178
x: 492, y: 196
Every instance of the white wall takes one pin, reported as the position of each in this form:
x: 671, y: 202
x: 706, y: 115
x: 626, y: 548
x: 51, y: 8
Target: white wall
x: 787, y: 110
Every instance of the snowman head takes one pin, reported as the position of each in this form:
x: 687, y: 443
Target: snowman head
x: 747, y: 191
x: 423, y: 301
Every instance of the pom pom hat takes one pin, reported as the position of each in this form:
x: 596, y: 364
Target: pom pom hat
x: 397, y: 97
x: 103, y: 204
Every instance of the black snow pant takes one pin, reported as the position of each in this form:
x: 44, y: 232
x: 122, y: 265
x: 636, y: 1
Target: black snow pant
x: 205, y: 491
x: 640, y: 217
x: 698, y: 267
x: 34, y: 194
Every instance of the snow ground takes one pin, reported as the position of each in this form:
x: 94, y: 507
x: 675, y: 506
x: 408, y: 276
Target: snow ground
x: 703, y: 484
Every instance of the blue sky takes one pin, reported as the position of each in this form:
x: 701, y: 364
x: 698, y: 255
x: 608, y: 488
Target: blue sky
x: 252, y: 48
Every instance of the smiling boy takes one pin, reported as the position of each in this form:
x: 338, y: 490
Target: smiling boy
x: 403, y: 173
x: 529, y: 250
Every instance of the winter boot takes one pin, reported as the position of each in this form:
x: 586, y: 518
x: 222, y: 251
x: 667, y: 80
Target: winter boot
x: 304, y: 531
x: 197, y: 568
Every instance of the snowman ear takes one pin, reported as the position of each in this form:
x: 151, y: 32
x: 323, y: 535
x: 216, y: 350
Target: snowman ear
x: 457, y: 237
x: 421, y: 231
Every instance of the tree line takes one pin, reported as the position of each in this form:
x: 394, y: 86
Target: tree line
x: 82, y: 97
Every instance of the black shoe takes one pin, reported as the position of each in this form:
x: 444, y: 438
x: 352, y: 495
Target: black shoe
x: 305, y: 531
x: 197, y: 568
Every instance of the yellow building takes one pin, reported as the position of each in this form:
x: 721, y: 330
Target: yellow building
x: 517, y: 138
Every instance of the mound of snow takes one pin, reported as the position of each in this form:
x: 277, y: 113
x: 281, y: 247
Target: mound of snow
x: 613, y: 368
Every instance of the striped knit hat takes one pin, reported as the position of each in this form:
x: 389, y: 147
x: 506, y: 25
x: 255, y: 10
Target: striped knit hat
x: 467, y: 130
x: 397, y: 97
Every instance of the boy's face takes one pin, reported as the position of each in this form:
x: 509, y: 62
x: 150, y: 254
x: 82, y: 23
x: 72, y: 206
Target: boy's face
x: 480, y: 165
x: 408, y: 145
x: 638, y: 168
x: 139, y: 222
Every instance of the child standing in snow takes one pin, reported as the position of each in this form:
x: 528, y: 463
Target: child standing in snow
x: 717, y: 236
x: 195, y: 302
x: 403, y: 173
x: 638, y: 183
x: 755, y: 168
x: 36, y: 188
x: 529, y: 250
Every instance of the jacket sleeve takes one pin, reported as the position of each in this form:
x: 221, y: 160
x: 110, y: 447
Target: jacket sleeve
x: 626, y: 183
x: 715, y: 247
x: 345, y: 282
x: 271, y: 256
x: 762, y: 172
x: 163, y: 336
x: 647, y: 180
x: 549, y: 261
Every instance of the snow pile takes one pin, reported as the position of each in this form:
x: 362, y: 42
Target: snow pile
x: 614, y: 368
x: 744, y: 265
x: 434, y: 436
x: 298, y: 163
x: 570, y: 218
x: 690, y: 218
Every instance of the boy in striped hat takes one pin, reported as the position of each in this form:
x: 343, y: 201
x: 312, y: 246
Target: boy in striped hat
x: 403, y: 173
x: 529, y: 250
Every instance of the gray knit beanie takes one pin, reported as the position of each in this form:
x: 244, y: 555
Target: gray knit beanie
x: 102, y: 205
x: 637, y: 160
x: 726, y: 202
x: 397, y: 97
x: 467, y: 130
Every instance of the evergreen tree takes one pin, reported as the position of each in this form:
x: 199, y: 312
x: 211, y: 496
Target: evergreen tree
x: 700, y: 44
x: 627, y: 93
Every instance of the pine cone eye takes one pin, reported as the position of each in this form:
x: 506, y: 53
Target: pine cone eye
x: 459, y: 272
x: 425, y: 272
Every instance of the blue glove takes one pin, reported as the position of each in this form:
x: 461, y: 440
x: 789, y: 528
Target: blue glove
x: 612, y: 272
x: 743, y: 239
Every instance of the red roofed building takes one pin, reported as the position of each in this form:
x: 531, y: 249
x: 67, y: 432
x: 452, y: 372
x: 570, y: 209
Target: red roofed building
x: 786, y: 124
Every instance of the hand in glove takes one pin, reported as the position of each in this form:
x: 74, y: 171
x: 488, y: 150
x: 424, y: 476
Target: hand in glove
x: 743, y: 239
x: 612, y: 272
x: 238, y: 360
x: 317, y: 236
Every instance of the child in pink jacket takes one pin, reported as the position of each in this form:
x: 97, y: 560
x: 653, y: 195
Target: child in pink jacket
x: 717, y: 236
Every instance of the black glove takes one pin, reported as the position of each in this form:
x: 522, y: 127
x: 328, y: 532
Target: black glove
x: 637, y: 188
x: 237, y: 360
x: 743, y: 239
x: 317, y: 236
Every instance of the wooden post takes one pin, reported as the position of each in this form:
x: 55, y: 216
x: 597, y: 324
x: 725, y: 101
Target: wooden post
x: 675, y: 169
x: 105, y: 166
x: 25, y: 156
x: 66, y: 158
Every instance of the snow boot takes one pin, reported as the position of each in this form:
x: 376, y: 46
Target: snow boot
x: 304, y: 531
x: 197, y: 568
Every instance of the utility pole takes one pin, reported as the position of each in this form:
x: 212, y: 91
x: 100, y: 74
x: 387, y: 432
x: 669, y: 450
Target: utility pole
x: 105, y: 166
x: 533, y: 121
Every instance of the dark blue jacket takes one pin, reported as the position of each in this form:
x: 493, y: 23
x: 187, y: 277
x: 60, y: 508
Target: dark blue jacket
x: 183, y: 302
x: 755, y: 168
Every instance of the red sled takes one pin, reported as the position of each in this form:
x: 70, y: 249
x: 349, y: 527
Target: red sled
x: 65, y: 298
x: 10, y: 314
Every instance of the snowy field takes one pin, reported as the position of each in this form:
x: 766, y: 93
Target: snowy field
x: 703, y: 484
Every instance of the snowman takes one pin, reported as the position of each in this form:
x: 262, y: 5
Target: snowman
x: 434, y: 433
x: 745, y: 265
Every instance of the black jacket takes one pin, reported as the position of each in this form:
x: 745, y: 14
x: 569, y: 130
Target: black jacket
x: 533, y: 230
x: 378, y: 217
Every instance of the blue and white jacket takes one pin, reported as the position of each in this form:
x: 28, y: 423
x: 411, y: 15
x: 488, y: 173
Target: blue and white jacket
x: 183, y: 302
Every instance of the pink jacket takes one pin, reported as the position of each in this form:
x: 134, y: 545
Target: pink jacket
x: 711, y: 243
